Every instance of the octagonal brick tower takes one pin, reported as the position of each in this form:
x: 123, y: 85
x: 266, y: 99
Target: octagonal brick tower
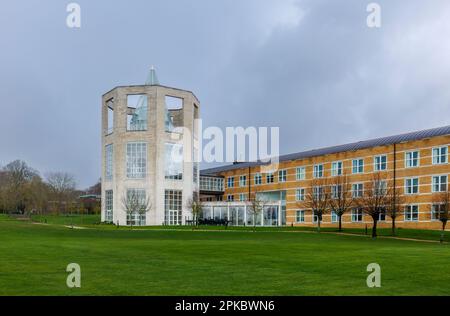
x: 142, y: 126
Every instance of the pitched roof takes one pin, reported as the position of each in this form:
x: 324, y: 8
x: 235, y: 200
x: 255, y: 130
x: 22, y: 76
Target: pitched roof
x: 382, y: 141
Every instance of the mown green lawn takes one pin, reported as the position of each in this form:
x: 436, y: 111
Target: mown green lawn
x: 33, y: 259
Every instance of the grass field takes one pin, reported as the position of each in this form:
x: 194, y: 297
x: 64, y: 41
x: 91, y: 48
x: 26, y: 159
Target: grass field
x: 113, y: 261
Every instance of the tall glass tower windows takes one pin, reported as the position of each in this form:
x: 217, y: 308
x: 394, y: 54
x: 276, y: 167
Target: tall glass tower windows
x: 195, y: 171
x: 173, y: 207
x: 109, y: 206
x: 137, y: 112
x: 110, y: 116
x: 173, y: 161
x: 109, y: 162
x: 173, y: 107
x: 136, y: 160
x: 136, y: 198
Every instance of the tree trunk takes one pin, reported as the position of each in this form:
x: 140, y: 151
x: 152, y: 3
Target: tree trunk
x: 443, y: 231
x: 374, y: 228
x: 393, y: 226
x: 340, y: 222
x: 318, y: 225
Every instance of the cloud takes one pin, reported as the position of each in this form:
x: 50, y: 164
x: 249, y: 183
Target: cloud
x: 311, y: 67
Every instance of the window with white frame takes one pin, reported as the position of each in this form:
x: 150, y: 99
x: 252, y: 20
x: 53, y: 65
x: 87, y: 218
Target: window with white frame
x: 412, y: 213
x: 379, y: 187
x: 336, y: 191
x: 242, y: 181
x: 318, y: 193
x: 357, y: 190
x: 230, y: 182
x: 336, y: 168
x: 411, y: 185
x: 439, y: 155
x: 136, y: 160
x: 300, y: 216
x: 380, y: 163
x: 242, y: 197
x: 136, y: 200
x: 357, y: 215
x: 318, y: 171
x: 109, y: 206
x: 300, y: 194
x: 436, y: 210
x: 269, y: 177
x: 109, y: 162
x: 173, y: 207
x: 334, y: 217
x: 258, y: 179
x: 439, y: 183
x: 300, y: 173
x: 282, y: 175
x: 412, y: 159
x: 230, y: 197
x: 357, y: 166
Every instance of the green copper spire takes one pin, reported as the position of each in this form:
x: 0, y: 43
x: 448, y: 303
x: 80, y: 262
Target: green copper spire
x: 152, y: 79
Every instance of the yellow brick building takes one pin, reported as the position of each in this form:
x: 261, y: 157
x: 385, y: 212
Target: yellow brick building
x: 416, y: 162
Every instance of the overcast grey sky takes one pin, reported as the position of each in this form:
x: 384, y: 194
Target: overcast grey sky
x: 313, y: 68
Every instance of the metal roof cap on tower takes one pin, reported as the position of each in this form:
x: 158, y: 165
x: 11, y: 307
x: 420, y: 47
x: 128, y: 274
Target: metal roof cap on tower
x: 152, y: 79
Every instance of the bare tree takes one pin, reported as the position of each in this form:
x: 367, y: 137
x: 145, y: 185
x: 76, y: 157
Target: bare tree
x: 375, y: 199
x: 394, y: 204
x: 442, y: 203
x: 317, y: 199
x: 62, y: 186
x: 256, y: 205
x: 19, y: 172
x: 37, y: 195
x: 341, y: 197
x: 136, y: 202
x: 195, y: 205
x: 17, y: 176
